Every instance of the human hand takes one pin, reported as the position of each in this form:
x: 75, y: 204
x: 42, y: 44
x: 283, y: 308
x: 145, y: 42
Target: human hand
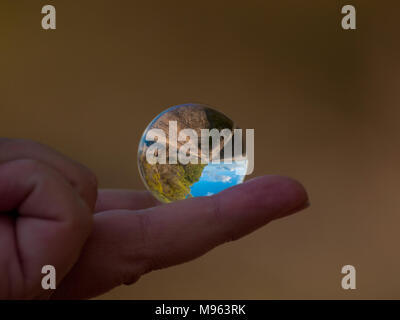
x: 47, y: 204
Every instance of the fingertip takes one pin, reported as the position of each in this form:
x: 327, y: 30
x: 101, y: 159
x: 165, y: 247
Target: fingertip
x: 286, y: 188
x: 269, y: 197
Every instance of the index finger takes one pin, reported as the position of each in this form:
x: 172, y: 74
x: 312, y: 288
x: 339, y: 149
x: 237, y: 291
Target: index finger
x: 125, y: 244
x: 187, y: 229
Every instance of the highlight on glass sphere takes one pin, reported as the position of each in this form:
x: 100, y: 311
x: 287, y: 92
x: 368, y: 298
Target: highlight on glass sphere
x: 191, y: 150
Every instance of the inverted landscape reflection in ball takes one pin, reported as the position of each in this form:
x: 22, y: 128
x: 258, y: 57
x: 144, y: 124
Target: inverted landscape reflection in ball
x: 166, y: 143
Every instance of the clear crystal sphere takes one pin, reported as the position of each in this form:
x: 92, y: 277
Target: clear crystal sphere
x: 176, y: 163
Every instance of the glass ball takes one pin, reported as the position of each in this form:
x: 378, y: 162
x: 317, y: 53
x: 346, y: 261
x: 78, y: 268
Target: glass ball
x: 176, y: 163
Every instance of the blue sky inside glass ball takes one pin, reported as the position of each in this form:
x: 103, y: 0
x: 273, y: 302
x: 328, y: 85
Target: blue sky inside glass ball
x: 219, y: 176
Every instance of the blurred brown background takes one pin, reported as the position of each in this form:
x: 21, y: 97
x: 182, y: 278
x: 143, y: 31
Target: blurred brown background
x: 324, y: 103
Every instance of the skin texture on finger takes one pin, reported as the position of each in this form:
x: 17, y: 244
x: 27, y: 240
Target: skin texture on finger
x: 43, y: 221
x: 112, y: 199
x: 77, y: 175
x: 126, y: 244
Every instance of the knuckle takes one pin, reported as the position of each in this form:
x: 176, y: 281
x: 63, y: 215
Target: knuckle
x: 146, y: 256
x: 139, y: 258
x: 91, y: 179
x: 86, y: 178
x: 27, y: 165
x: 218, y: 219
x: 80, y: 220
x: 20, y: 143
x: 14, y: 149
x: 85, y: 182
x: 144, y: 228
